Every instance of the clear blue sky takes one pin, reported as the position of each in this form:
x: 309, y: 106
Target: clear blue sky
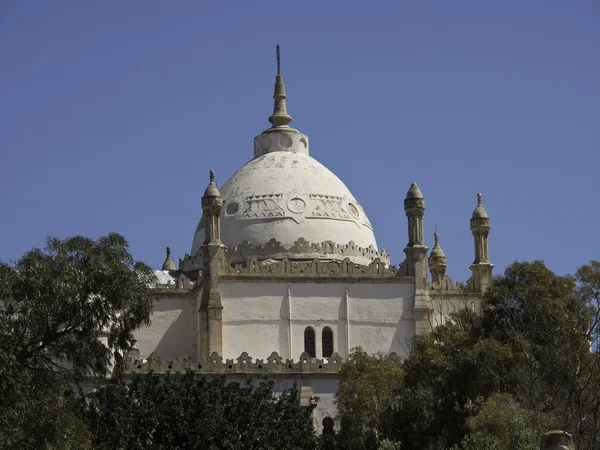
x: 112, y: 112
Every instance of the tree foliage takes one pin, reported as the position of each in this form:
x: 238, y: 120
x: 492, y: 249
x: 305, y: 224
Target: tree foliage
x: 66, y: 313
x: 501, y: 424
x: 190, y: 411
x: 537, y: 339
x: 365, y: 399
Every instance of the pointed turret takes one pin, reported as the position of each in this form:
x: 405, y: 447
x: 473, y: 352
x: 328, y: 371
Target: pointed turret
x: 212, y: 190
x: 437, y: 261
x: 280, y: 137
x: 168, y: 264
x: 414, y: 206
x: 212, y: 203
x: 416, y: 257
x: 213, y: 261
x: 482, y: 266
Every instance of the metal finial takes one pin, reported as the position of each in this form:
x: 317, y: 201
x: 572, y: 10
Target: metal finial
x: 436, y: 236
x: 479, y: 198
x: 212, y: 175
x: 168, y: 252
x: 278, y: 61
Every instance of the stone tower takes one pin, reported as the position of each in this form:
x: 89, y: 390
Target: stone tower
x: 416, y: 257
x: 482, y: 266
x: 213, y: 255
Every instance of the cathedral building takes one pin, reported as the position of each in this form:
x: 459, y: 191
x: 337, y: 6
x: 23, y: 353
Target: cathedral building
x: 284, y: 276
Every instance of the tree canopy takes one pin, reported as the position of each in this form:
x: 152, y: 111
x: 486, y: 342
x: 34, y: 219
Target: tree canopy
x: 66, y: 313
x: 191, y: 411
x: 536, y: 342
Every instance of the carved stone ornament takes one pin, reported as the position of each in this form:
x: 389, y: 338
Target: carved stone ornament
x: 243, y: 364
x: 315, y: 268
x: 301, y: 250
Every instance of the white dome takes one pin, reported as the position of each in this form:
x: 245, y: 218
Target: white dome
x: 286, y: 196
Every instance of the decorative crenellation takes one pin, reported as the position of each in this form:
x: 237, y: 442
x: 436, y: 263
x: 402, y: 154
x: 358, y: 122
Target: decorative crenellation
x: 244, y: 364
x: 178, y: 283
x: 246, y: 250
x: 191, y: 262
x: 314, y: 268
x: 300, y: 250
x: 448, y: 285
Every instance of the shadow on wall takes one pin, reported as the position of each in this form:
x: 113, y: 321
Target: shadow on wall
x: 179, y: 336
x: 402, y: 342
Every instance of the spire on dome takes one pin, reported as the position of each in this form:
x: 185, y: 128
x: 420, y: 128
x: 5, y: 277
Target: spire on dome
x: 168, y: 264
x: 280, y: 117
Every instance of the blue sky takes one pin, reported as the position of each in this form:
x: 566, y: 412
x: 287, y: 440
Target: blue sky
x: 112, y: 112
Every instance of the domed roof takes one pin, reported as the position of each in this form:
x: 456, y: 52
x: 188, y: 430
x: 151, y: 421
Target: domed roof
x: 283, y: 200
x: 480, y: 212
x: 211, y: 189
x: 288, y: 196
x: 168, y: 264
x: 436, y: 252
x: 414, y: 191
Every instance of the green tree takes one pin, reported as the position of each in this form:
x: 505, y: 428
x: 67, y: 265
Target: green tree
x: 533, y: 340
x: 365, y: 399
x: 501, y: 424
x: 552, y: 323
x: 446, y: 375
x: 66, y: 313
x: 191, y: 411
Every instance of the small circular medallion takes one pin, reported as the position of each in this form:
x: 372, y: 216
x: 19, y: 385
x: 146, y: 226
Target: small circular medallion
x: 232, y: 208
x: 286, y: 141
x: 296, y: 205
x: 265, y: 142
x: 353, y: 210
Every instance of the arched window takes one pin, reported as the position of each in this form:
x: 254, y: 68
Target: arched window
x: 328, y: 424
x: 327, y: 341
x: 309, y: 341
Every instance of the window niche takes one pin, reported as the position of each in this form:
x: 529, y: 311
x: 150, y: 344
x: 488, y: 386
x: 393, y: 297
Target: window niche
x: 327, y: 342
x: 309, y: 342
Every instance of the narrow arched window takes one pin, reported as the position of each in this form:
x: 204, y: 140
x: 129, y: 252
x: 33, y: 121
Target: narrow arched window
x: 328, y: 425
x: 309, y: 341
x: 327, y: 341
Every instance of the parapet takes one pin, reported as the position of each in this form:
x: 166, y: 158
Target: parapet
x: 244, y: 364
x: 315, y: 268
x: 301, y: 250
x: 172, y: 281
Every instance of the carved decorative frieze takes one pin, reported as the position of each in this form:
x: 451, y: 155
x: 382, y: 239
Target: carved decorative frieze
x: 304, y: 249
x: 263, y: 207
x: 242, y: 365
x: 329, y: 206
x: 332, y: 258
x: 312, y: 268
